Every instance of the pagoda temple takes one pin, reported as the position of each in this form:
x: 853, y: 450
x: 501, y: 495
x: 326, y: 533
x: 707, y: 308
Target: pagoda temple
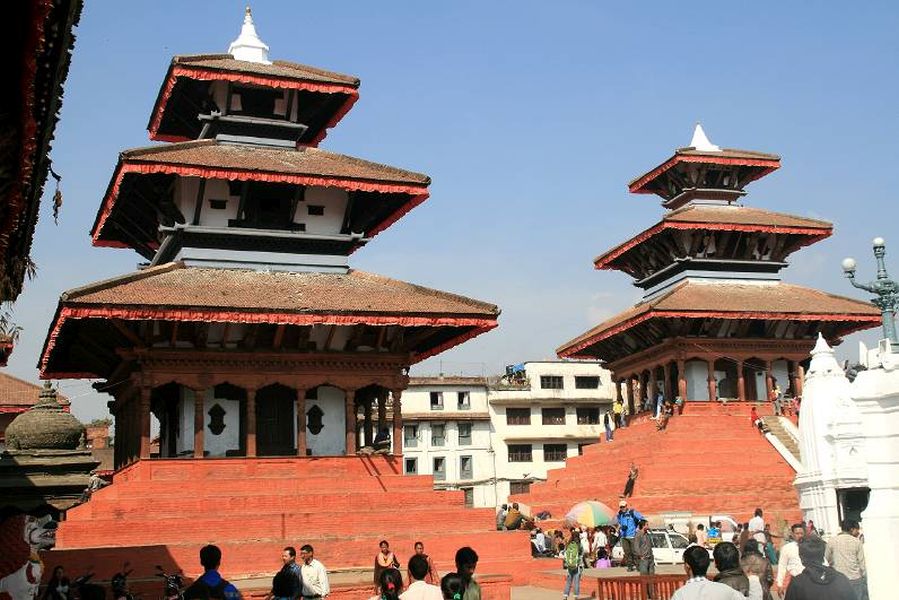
x: 716, y: 321
x: 247, y: 334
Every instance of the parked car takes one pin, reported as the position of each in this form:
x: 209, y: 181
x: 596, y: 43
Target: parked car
x: 667, y: 547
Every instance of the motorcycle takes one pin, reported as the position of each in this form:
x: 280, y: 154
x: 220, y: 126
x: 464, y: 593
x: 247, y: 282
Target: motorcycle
x: 119, y: 583
x: 174, y: 584
x: 85, y: 590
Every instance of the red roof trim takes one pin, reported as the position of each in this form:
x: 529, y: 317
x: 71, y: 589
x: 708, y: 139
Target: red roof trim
x: 233, y: 316
x: 816, y: 234
x: 572, y: 350
x: 14, y: 409
x: 637, y: 186
x: 204, y: 74
x: 143, y: 168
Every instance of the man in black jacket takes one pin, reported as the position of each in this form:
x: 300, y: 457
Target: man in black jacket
x: 727, y: 561
x: 817, y: 582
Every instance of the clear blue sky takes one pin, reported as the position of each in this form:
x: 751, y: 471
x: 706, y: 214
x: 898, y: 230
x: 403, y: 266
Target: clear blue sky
x: 530, y: 117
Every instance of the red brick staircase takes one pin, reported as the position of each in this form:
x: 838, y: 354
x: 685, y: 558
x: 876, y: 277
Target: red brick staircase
x: 709, y: 460
x: 163, y: 511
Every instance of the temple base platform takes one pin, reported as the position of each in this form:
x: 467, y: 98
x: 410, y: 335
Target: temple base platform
x: 162, y: 511
x: 709, y: 460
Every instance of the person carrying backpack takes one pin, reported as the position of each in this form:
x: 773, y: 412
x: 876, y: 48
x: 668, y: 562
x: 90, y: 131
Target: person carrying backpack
x: 210, y: 585
x: 572, y: 556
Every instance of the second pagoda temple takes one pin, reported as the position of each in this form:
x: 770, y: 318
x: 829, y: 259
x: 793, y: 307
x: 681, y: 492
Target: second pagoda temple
x: 247, y: 333
x: 716, y: 321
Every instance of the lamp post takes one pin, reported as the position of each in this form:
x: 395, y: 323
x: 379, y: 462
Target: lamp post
x: 885, y: 289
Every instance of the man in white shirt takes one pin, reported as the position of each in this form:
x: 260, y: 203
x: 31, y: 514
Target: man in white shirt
x: 696, y: 564
x: 789, y: 561
x: 418, y: 589
x: 315, y: 575
x: 757, y: 529
x: 540, y: 540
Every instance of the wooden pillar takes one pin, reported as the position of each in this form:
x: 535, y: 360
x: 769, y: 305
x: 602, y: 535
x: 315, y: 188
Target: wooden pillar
x: 713, y: 384
x: 382, y: 408
x: 618, y: 397
x: 397, y: 422
x: 651, y: 387
x: 367, y: 424
x: 800, y: 379
x: 199, y: 422
x: 350, y: 402
x: 682, y: 382
x: 769, y: 385
x: 144, y: 420
x: 301, y: 421
x: 630, y: 394
x: 741, y: 382
x: 794, y: 370
x: 251, y: 422
x: 666, y: 386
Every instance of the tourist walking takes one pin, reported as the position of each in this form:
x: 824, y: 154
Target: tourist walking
x: 789, y: 564
x: 758, y: 572
x: 286, y: 583
x: 627, y: 519
x: 730, y: 573
x: 757, y: 528
x: 618, y: 411
x: 698, y: 587
x: 314, y: 575
x: 466, y: 563
x: 418, y: 588
x: 776, y: 397
x: 571, y: 562
x: 384, y: 559
x: 646, y: 563
x: 390, y: 585
x: 607, y: 422
x: 211, y: 584
x: 817, y: 582
x: 432, y: 577
x: 631, y: 480
x: 846, y: 554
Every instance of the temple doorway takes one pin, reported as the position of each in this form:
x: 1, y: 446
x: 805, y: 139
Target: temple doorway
x: 275, y: 421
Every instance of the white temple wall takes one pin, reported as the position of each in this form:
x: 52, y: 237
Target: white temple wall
x: 213, y: 445
x: 331, y: 440
x: 332, y: 201
x: 697, y: 375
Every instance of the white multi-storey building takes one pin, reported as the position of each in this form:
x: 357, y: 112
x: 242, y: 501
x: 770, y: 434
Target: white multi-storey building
x: 493, y: 437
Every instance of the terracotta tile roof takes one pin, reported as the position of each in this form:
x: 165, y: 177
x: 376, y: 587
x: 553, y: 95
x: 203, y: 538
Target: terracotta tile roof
x: 302, y: 161
x: 727, y: 153
x: 278, y: 68
x: 730, y: 300
x: 734, y: 217
x: 762, y: 162
x: 20, y: 393
x: 174, y: 286
x: 741, y: 215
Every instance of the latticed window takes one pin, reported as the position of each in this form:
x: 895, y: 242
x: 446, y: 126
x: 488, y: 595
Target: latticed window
x: 411, y: 466
x: 464, y: 400
x: 555, y: 452
x: 520, y: 453
x: 584, y: 382
x: 518, y: 416
x: 551, y: 382
x: 554, y: 416
x: 519, y: 487
x: 436, y: 400
x: 464, y: 434
x: 466, y: 467
x: 588, y: 415
x: 438, y: 434
x: 410, y: 436
x: 439, y: 468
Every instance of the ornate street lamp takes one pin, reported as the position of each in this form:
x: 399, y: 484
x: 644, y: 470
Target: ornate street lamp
x: 886, y: 290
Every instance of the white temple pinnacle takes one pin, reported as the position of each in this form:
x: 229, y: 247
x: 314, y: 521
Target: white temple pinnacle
x: 248, y: 46
x: 824, y: 361
x: 701, y: 142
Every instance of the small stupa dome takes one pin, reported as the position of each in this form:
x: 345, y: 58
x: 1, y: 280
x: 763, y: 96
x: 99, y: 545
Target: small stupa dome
x: 45, y: 426
x: 248, y: 46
